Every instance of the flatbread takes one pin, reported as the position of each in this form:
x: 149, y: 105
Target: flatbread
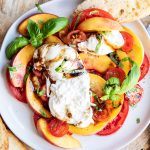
x: 122, y: 10
x: 15, y: 144
x: 3, y: 136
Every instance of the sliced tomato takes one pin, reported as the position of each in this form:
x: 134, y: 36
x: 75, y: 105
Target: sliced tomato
x: 18, y: 93
x: 89, y: 13
x: 117, y: 123
x: 57, y: 127
x: 134, y: 95
x: 115, y: 72
x: 75, y: 37
x: 128, y: 41
x: 144, y: 67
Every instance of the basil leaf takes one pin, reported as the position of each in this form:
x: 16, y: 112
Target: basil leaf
x: 34, y: 31
x: 131, y: 80
x: 33, y: 28
x: 36, y: 41
x: 15, y: 45
x: 12, y: 69
x: 113, y: 81
x: 39, y: 7
x: 40, y: 93
x: 105, y: 97
x: 114, y: 57
x: 53, y: 26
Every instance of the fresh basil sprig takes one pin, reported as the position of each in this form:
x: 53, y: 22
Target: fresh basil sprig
x: 36, y: 34
x: 15, y: 45
x: 52, y: 26
x: 113, y: 89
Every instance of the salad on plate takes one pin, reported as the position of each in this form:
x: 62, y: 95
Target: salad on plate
x: 77, y: 77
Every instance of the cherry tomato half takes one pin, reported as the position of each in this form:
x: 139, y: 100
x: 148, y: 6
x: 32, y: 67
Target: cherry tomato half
x: 57, y: 127
x: 128, y: 41
x: 89, y: 13
x: 144, y: 67
x: 104, y: 111
x: 117, y: 122
x: 115, y: 72
x: 75, y: 37
x: 18, y: 93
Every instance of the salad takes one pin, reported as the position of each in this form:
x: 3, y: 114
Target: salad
x: 78, y: 77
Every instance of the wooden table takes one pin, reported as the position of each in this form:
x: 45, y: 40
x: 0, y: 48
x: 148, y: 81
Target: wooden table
x: 10, y: 10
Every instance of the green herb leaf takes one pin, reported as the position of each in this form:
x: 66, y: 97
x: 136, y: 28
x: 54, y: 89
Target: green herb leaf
x: 77, y: 20
x: 111, y: 89
x: 114, y: 57
x: 138, y: 120
x: 34, y: 31
x: 13, y: 69
x: 39, y: 7
x: 36, y: 41
x: 29, y: 69
x: 131, y: 80
x: 15, y: 45
x: 113, y: 81
x: 99, y: 37
x: 40, y: 92
x: 53, y: 26
x: 43, y: 113
x: 105, y: 97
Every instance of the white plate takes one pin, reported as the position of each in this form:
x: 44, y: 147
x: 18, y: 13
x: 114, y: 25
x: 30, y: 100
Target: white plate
x: 18, y: 116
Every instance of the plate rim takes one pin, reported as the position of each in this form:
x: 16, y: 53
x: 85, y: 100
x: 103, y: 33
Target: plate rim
x: 4, y: 115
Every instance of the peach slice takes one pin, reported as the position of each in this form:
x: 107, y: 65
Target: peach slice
x: 66, y: 141
x: 53, y: 40
x: 94, y: 128
x: 38, y: 18
x: 34, y: 101
x: 96, y: 24
x: 98, y: 63
x: 126, y: 66
x: 97, y: 84
x: 20, y: 63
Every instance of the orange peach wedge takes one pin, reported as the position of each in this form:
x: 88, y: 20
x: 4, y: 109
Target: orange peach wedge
x: 20, y: 63
x: 34, y: 101
x: 66, y: 141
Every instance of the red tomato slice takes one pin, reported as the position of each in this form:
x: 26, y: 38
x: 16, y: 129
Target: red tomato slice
x: 135, y: 95
x: 57, y: 127
x: 18, y: 93
x: 75, y: 37
x: 144, y: 67
x: 89, y: 13
x: 117, y: 123
x: 128, y: 39
x: 115, y: 72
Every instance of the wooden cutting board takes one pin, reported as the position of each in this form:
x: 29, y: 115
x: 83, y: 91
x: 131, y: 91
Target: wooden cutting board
x: 10, y: 10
